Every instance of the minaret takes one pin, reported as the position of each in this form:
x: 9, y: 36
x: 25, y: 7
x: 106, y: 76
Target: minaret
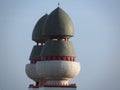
x: 53, y: 59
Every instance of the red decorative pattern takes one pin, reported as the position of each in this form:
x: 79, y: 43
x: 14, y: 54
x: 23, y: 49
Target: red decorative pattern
x: 61, y: 85
x: 64, y: 58
x: 52, y: 85
x: 33, y: 61
x: 51, y: 58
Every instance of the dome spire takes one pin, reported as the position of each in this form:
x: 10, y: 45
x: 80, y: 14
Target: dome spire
x: 58, y: 4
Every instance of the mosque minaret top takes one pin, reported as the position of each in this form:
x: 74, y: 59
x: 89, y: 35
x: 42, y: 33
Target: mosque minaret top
x: 53, y: 58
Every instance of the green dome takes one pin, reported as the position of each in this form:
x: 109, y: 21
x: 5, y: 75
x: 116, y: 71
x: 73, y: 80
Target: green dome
x: 58, y: 48
x: 58, y: 24
x: 37, y: 32
x: 36, y: 52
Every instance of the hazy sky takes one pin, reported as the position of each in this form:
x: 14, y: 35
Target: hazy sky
x: 96, y: 41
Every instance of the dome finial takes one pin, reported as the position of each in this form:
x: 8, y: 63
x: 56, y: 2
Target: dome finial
x: 58, y: 4
x: 46, y: 13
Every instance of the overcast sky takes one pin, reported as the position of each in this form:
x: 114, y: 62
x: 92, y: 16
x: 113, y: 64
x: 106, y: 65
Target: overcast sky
x: 96, y: 41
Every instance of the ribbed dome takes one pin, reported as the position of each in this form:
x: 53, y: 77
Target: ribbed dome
x: 58, y: 24
x: 37, y: 32
x: 58, y: 48
x: 36, y: 52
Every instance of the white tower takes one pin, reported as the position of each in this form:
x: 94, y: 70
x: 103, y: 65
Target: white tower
x: 52, y: 60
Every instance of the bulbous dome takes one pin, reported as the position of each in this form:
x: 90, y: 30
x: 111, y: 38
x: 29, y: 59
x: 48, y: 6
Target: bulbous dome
x: 36, y: 52
x: 58, y: 24
x: 38, y: 29
x: 58, y: 48
x: 57, y: 72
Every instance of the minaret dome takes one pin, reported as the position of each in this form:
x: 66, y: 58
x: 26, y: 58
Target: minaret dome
x: 58, y: 25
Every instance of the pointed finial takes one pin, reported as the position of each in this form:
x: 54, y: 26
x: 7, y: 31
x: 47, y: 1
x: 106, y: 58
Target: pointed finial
x: 58, y: 4
x: 46, y: 13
